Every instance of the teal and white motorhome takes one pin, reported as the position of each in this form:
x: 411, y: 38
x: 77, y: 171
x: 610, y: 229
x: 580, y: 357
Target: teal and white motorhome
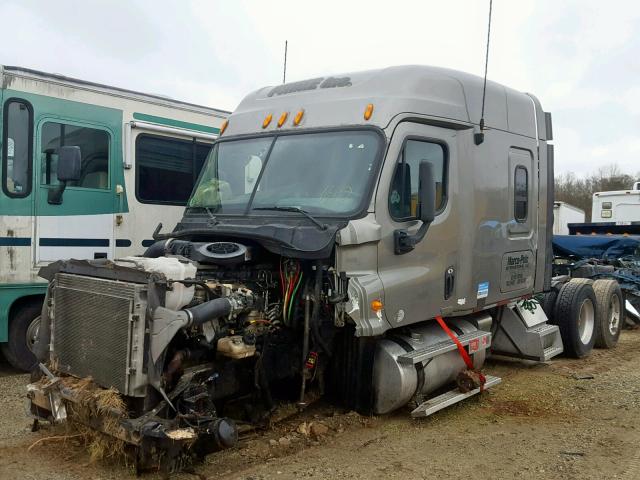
x: 139, y: 157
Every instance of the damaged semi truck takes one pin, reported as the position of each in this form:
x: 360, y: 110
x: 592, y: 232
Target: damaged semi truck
x: 365, y: 237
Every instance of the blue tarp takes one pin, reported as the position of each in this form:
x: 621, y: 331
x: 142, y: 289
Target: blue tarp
x: 596, y: 246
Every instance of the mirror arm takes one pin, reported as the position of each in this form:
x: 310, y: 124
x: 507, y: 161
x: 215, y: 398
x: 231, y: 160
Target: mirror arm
x: 403, y: 242
x: 54, y: 196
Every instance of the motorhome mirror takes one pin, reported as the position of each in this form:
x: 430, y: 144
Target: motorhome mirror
x: 69, y: 163
x: 68, y: 170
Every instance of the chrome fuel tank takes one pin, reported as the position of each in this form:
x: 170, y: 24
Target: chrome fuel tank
x: 396, y: 383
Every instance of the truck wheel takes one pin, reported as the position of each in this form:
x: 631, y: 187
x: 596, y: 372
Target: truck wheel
x: 575, y: 314
x: 610, y: 307
x: 23, y: 330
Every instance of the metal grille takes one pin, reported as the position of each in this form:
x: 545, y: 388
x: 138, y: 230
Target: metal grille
x: 91, y: 328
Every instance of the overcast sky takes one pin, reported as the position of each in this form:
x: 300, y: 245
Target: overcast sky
x: 580, y: 58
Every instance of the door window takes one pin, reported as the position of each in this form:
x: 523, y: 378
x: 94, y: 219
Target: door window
x: 94, y: 147
x: 403, y: 195
x: 16, y: 151
x: 167, y: 168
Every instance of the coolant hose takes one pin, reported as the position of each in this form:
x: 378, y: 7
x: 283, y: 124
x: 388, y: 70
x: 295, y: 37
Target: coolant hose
x: 166, y: 247
x: 220, y: 307
x: 157, y: 249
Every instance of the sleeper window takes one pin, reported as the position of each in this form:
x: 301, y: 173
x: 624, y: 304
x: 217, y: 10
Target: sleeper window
x: 403, y: 195
x: 521, y: 194
x: 17, y: 148
x: 94, y: 147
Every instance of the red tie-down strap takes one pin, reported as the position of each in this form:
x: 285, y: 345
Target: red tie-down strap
x: 461, y: 350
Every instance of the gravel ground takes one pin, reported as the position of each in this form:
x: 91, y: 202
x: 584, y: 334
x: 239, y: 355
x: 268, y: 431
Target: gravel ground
x: 567, y: 419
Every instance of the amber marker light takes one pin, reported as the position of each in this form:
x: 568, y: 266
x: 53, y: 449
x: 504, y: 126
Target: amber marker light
x: 223, y: 127
x: 282, y: 119
x: 298, y: 118
x: 376, y: 305
x: 267, y: 121
x: 368, y: 111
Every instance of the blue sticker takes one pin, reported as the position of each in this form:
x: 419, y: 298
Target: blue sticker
x: 483, y: 290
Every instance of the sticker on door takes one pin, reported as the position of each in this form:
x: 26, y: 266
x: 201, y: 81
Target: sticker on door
x: 483, y: 290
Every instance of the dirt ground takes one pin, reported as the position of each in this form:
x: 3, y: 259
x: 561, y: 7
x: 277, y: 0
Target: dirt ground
x: 567, y: 419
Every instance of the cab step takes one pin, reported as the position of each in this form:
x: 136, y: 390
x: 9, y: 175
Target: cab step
x: 551, y: 352
x: 449, y: 398
x: 526, y: 334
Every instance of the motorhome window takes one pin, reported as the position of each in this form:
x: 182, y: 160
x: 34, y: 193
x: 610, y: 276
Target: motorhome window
x: 403, y: 194
x: 521, y: 194
x: 94, y: 147
x: 167, y: 168
x: 327, y: 173
x: 17, y: 145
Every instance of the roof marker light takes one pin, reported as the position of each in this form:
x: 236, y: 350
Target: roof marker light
x: 282, y: 119
x: 223, y: 127
x: 368, y: 111
x: 267, y: 121
x: 298, y: 117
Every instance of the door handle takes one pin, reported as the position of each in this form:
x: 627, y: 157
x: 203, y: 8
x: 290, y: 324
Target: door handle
x: 449, y: 282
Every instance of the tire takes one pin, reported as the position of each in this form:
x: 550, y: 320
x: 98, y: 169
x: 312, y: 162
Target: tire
x: 610, y: 317
x: 575, y: 314
x: 22, y: 325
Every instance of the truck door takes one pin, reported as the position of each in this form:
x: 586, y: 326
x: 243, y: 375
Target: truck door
x: 81, y: 225
x: 418, y: 284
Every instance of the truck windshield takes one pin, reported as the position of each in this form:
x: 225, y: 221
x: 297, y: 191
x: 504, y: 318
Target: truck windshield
x: 325, y: 173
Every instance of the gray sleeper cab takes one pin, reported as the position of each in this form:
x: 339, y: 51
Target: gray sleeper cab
x: 489, y: 240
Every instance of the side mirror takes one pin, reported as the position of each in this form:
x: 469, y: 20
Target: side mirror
x: 403, y: 241
x: 69, y: 170
x: 427, y: 192
x: 69, y: 164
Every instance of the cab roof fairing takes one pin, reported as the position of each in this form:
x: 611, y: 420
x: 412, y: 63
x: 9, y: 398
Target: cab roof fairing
x: 422, y: 90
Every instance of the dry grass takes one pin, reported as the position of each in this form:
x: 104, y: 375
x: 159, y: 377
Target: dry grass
x: 95, y: 405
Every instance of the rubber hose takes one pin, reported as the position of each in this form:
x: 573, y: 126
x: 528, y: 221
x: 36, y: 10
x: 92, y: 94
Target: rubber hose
x: 206, y: 311
x: 156, y: 250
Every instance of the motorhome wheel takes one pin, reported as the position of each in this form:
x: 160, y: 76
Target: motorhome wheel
x: 23, y: 329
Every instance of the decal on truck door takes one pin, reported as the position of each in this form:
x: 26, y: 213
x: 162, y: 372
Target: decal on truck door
x: 517, y: 271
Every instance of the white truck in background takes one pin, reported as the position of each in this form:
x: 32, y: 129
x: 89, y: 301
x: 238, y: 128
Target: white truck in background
x: 563, y: 215
x: 617, y: 206
x: 615, y: 212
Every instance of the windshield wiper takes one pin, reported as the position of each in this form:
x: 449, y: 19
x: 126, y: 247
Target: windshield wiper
x: 321, y: 226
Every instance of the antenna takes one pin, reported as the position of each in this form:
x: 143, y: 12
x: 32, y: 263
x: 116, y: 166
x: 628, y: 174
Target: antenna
x: 284, y: 73
x: 479, y: 137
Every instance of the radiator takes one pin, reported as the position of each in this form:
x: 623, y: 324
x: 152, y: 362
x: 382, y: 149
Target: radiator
x: 98, y: 331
